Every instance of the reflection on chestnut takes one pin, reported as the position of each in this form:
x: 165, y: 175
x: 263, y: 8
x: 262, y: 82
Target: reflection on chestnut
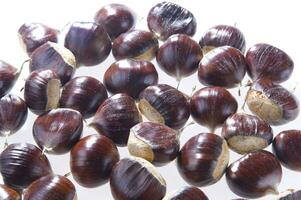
x: 8, y: 77
x: 186, y: 193
x: 6, y: 193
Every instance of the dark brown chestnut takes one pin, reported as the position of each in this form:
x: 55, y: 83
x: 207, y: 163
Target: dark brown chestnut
x: 54, y: 57
x: 115, y: 117
x: 287, y: 148
x: 154, y: 142
x: 254, y: 175
x: 268, y: 62
x: 51, y: 187
x: 203, y: 159
x: 6, y: 193
x: 223, y: 35
x: 42, y: 91
x: 33, y: 35
x: 136, y: 44
x: 130, y: 76
x: 166, y: 19
x: 211, y: 106
x: 187, y: 193
x: 21, y: 164
x: 89, y: 42
x: 84, y: 94
x: 8, y: 77
x: 92, y: 160
x: 223, y: 66
x: 116, y: 19
x: 272, y: 102
x: 179, y: 56
x: 164, y: 104
x: 58, y: 130
x: 290, y: 195
x: 246, y: 133
x: 148, y: 184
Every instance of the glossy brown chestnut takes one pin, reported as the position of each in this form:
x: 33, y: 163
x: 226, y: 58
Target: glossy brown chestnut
x: 254, y: 175
x: 211, y: 106
x: 166, y: 19
x: 21, y: 164
x: 116, y: 19
x: 272, y: 102
x: 287, y: 148
x: 164, y: 104
x: 56, y: 58
x: 203, y: 159
x: 223, y: 35
x: 51, y: 187
x: 130, y: 77
x: 84, y: 94
x: 291, y: 195
x: 58, y: 130
x: 179, y: 56
x: 223, y: 66
x: 92, y: 160
x: 6, y: 193
x: 115, y: 117
x: 8, y: 77
x: 246, y: 133
x: 268, y: 62
x: 89, y: 42
x: 42, y: 91
x: 136, y: 44
x: 33, y: 35
x: 13, y: 114
x: 148, y: 184
x: 187, y: 193
x: 154, y: 142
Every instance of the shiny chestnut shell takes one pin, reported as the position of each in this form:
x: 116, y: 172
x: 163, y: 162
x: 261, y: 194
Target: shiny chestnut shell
x: 268, y: 62
x: 92, y: 160
x: 187, y: 193
x: 89, y: 42
x: 179, y: 56
x: 223, y: 66
x: 8, y: 77
x: 58, y: 130
x: 116, y: 19
x: 51, y: 187
x: 166, y: 19
x: 6, y: 193
x: 254, y: 175
x: 121, y: 75
x: 21, y: 164
x: 84, y: 94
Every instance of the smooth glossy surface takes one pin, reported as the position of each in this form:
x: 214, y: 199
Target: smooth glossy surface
x: 187, y: 193
x: 8, y: 76
x: 7, y: 193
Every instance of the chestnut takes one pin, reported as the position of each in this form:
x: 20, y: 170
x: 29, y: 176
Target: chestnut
x: 223, y: 66
x: 54, y: 57
x: 154, y: 142
x: 246, y: 133
x: 57, y: 131
x: 6, y: 193
x: 254, y: 175
x: 203, y: 159
x: 148, y: 184
x: 287, y: 148
x: 52, y: 187
x: 33, y: 35
x: 211, y: 106
x: 223, y: 35
x: 164, y: 104
x: 115, y: 117
x: 115, y: 18
x: 186, y: 193
x: 8, y: 77
x: 272, y: 102
x: 92, y: 160
x: 84, y: 94
x: 89, y: 42
x: 179, y: 56
x: 121, y: 75
x: 136, y: 44
x: 42, y: 91
x: 21, y: 164
x: 268, y: 62
x: 166, y: 19
x: 290, y: 195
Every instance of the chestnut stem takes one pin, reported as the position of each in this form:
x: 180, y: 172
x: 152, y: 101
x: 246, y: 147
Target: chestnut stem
x: 239, y: 89
x: 249, y: 84
x: 67, y: 174
x: 178, y: 85
x: 6, y: 140
x: 189, y: 124
x: 192, y: 91
x: 295, y: 87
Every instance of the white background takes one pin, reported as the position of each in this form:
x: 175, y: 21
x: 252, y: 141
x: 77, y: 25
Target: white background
x: 274, y: 22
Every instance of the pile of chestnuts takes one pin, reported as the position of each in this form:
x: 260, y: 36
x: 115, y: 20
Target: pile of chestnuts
x: 133, y: 108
